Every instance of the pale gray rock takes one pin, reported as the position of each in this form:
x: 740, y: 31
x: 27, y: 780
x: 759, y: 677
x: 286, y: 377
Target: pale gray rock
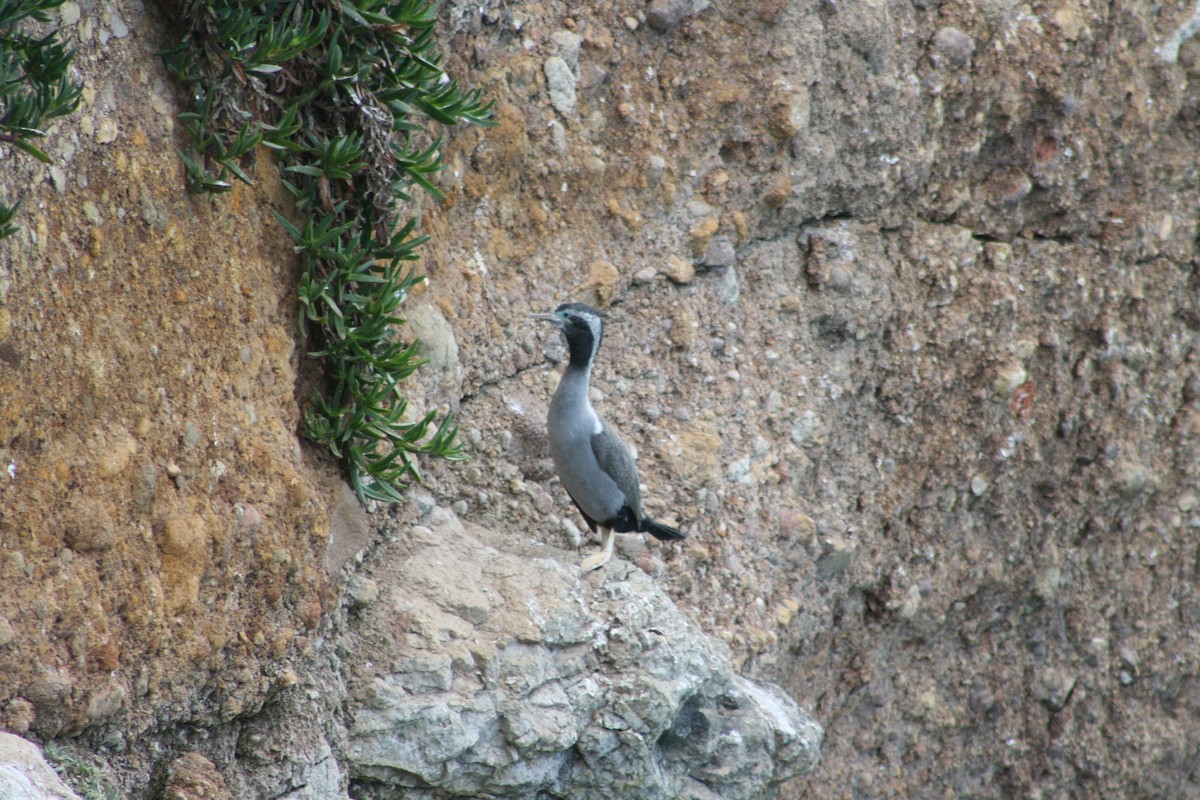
x: 956, y: 46
x: 25, y: 775
x: 560, y: 85
x: 349, y: 531
x: 439, y: 346
x: 480, y: 672
x: 568, y: 43
x: 720, y: 252
x: 729, y: 290
x: 663, y: 15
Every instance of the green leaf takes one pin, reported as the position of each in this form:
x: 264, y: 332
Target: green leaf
x: 337, y: 89
x: 33, y: 151
x: 305, y: 169
x: 350, y: 11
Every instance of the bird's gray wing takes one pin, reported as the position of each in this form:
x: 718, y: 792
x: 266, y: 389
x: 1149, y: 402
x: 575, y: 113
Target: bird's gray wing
x: 614, y: 458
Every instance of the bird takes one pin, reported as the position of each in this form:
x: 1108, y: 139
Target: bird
x: 593, y: 463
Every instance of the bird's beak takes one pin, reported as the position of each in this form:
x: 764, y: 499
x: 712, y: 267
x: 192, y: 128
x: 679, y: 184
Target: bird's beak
x: 553, y: 320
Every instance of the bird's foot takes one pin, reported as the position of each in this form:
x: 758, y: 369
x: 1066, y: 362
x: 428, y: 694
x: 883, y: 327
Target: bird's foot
x: 601, y: 557
x: 594, y: 561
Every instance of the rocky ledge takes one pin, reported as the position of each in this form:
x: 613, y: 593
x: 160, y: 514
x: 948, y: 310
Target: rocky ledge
x: 482, y: 672
x: 25, y: 775
x: 463, y: 669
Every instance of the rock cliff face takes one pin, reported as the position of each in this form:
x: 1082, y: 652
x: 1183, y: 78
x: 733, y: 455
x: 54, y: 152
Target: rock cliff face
x: 903, y: 317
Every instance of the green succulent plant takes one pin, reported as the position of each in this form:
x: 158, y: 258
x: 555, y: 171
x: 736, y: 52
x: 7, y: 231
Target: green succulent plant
x: 87, y: 781
x: 343, y: 93
x: 35, y: 86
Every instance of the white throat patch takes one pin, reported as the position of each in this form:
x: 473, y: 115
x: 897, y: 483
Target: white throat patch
x: 597, y: 425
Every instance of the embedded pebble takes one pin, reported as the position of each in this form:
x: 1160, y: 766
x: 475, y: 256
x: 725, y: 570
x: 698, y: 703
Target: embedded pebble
x: 679, y: 270
x: 836, y: 556
x: 92, y: 212
x: 191, y: 435
x: 956, y: 46
x: 720, y: 252
x: 145, y: 480
x: 803, y: 427
x: 657, y: 166
x: 1131, y: 478
x: 728, y: 290
x: 251, y: 518
x: 58, y: 178
x: 92, y: 529
x: 840, y: 280
x: 791, y: 303
x: 739, y: 470
x: 702, y: 233
x: 117, y: 26
x: 560, y: 85
x: 663, y: 15
x: 1047, y: 582
x: 568, y: 47
x: 912, y: 602
x: 574, y: 535
x: 631, y: 547
x: 362, y: 590
x: 542, y: 500
x: 1129, y: 658
x: 1054, y: 687
x: 1008, y: 377
x: 981, y: 700
x: 645, y: 275
x: 68, y: 13
x: 105, y: 702
x: 119, y: 450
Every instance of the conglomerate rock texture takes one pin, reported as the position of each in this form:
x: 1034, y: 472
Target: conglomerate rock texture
x: 903, y: 314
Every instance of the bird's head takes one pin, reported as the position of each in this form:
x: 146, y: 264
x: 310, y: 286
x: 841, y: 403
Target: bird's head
x: 582, y: 327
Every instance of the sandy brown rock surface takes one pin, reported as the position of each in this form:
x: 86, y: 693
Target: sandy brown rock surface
x: 161, y: 529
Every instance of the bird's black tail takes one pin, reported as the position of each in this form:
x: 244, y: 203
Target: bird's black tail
x: 660, y: 531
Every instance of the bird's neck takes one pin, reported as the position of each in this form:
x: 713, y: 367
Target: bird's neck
x: 578, y: 373
x: 583, y: 344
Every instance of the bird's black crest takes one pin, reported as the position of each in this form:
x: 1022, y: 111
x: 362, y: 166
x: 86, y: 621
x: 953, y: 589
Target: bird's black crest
x: 584, y: 307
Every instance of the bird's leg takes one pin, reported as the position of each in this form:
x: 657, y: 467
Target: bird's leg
x: 599, y: 558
